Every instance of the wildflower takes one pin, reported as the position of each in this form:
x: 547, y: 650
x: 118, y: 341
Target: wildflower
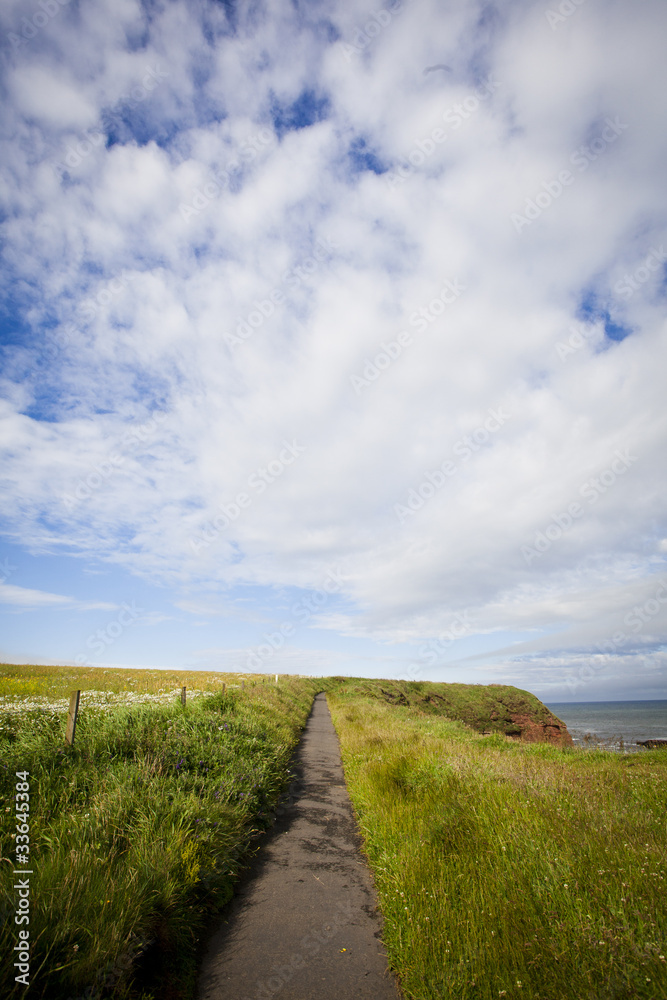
x: 75, y: 947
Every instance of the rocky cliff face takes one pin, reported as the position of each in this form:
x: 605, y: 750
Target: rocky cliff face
x: 487, y: 708
x: 534, y: 730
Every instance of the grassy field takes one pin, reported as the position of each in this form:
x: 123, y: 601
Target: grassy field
x: 26, y: 686
x: 507, y: 869
x: 504, y: 869
x: 486, y: 708
x: 137, y: 832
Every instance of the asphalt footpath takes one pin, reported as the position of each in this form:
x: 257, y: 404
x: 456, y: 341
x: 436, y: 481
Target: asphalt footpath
x: 304, y: 924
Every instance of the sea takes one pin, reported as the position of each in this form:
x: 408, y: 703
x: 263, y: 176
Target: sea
x: 616, y: 725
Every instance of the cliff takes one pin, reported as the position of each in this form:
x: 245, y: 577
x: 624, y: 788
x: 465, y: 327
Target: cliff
x: 487, y: 708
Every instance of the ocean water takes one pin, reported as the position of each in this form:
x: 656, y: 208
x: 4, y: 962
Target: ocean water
x: 613, y: 721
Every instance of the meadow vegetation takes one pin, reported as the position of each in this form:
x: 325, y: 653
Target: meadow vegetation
x: 139, y: 830
x: 506, y: 869
x: 25, y: 686
x: 487, y: 708
x: 503, y: 868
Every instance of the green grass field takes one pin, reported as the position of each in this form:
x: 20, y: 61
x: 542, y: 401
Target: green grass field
x: 507, y: 869
x: 504, y: 869
x: 138, y: 831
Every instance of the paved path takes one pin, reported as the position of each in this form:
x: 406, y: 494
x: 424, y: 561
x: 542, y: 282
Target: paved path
x: 304, y: 925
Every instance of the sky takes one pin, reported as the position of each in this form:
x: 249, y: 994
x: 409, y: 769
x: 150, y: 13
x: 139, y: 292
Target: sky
x: 333, y: 339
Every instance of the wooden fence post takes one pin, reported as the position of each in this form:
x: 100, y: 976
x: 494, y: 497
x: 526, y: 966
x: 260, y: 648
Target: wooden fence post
x: 223, y: 687
x: 183, y: 690
x: 243, y: 685
x: 71, y: 717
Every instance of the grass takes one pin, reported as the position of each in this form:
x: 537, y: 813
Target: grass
x: 487, y: 708
x: 138, y: 831
x: 35, y: 686
x: 506, y: 869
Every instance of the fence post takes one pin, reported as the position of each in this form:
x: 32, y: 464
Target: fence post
x: 243, y: 685
x: 276, y: 678
x: 183, y: 690
x: 71, y: 717
x: 223, y: 687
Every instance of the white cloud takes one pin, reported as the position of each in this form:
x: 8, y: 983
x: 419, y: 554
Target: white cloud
x: 155, y: 341
x: 25, y: 598
x: 50, y: 98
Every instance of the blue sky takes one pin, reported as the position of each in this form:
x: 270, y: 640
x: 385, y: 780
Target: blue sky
x: 332, y: 340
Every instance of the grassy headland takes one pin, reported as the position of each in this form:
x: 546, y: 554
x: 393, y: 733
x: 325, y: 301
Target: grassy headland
x: 505, y: 869
x: 137, y: 832
x: 486, y: 708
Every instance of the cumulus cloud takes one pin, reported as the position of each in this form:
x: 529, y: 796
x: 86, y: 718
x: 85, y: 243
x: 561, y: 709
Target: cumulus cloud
x: 234, y: 232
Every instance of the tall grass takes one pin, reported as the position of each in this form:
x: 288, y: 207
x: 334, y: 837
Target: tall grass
x: 37, y: 686
x: 138, y: 832
x: 507, y: 869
